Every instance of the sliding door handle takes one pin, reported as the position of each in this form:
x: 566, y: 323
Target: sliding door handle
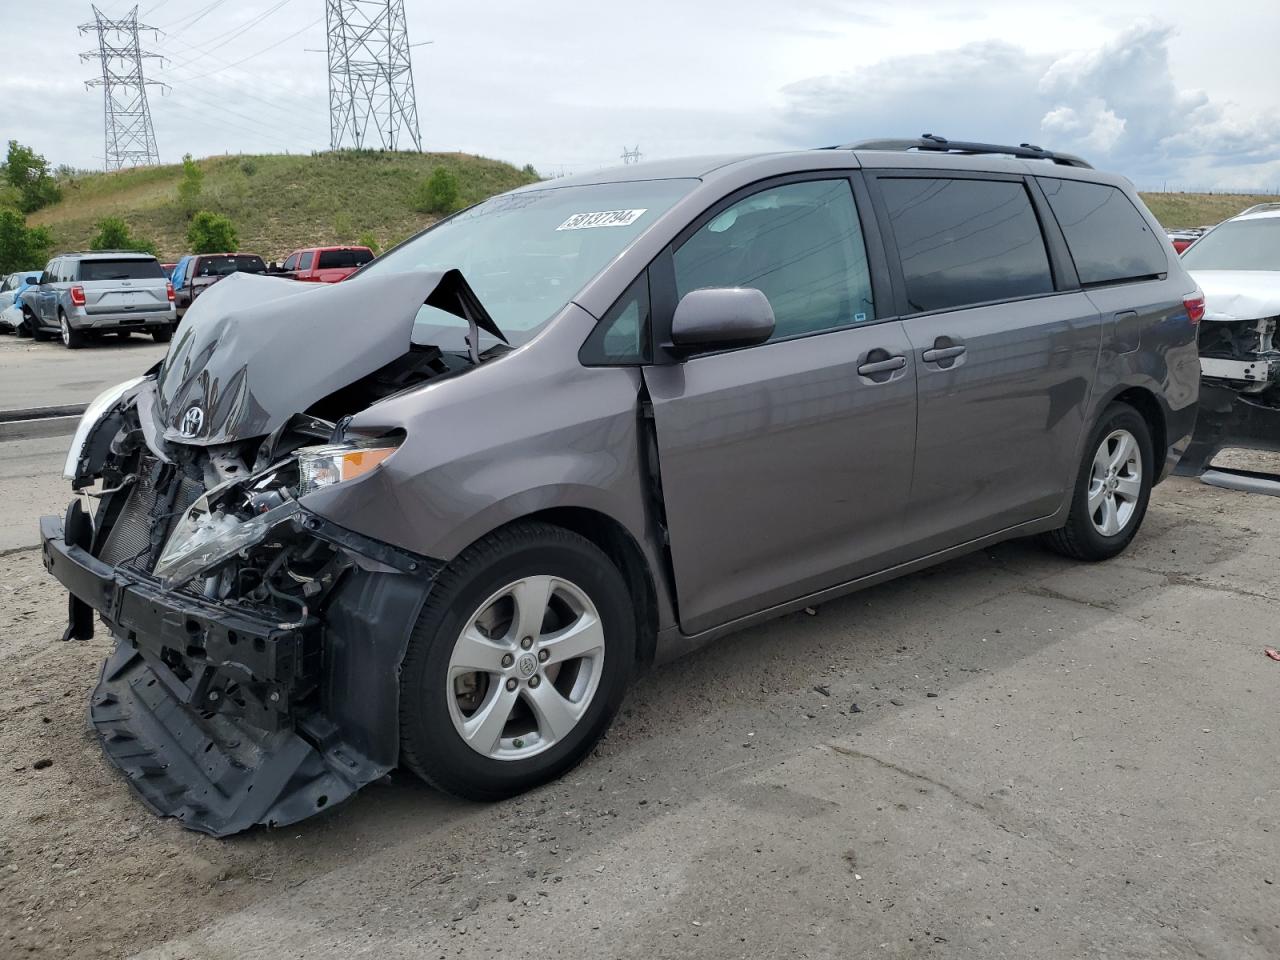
x: 882, y: 366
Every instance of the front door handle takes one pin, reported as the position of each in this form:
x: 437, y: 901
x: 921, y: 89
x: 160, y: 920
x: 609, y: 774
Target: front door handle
x: 935, y: 354
x: 882, y: 366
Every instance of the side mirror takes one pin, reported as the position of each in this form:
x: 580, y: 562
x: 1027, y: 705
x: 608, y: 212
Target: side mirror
x: 720, y: 317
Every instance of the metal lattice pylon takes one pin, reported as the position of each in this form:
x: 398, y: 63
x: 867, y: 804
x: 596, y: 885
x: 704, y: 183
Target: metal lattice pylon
x: 371, y: 95
x: 130, y: 137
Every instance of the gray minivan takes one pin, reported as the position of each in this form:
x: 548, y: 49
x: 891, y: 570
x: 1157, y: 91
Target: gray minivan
x: 434, y: 516
x: 107, y: 291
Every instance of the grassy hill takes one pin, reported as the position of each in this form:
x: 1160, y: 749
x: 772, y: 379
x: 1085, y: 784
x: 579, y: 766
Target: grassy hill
x: 280, y: 202
x: 277, y: 202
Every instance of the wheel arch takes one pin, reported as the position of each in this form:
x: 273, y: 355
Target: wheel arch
x: 621, y: 548
x: 1151, y: 410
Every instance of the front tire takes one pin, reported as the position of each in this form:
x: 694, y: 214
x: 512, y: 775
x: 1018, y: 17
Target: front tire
x: 1112, y: 489
x: 517, y: 663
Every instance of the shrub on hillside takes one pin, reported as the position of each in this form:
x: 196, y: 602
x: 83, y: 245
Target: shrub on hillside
x: 22, y: 247
x: 190, y: 185
x: 367, y: 239
x: 28, y: 173
x: 343, y: 228
x: 211, y: 233
x: 438, y: 194
x: 113, y: 234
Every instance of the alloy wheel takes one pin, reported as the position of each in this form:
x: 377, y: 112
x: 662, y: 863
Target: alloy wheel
x: 1115, y: 482
x: 66, y: 330
x: 525, y: 668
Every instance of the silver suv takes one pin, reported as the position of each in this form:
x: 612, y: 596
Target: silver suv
x: 108, y: 291
x: 435, y: 515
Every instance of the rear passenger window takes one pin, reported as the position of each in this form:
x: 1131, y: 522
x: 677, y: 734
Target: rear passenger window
x: 963, y: 242
x: 305, y: 262
x: 799, y: 244
x: 1109, y: 239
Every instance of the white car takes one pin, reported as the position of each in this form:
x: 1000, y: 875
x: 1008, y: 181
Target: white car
x: 1237, y: 266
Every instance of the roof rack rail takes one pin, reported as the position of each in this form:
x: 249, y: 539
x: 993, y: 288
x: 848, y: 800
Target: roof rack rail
x: 1259, y: 207
x: 935, y: 144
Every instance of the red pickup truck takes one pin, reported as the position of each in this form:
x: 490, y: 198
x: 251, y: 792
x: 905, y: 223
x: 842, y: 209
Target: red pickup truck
x: 325, y: 264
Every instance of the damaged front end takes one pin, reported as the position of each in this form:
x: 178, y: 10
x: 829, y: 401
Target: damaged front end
x: 1239, y: 347
x: 255, y: 674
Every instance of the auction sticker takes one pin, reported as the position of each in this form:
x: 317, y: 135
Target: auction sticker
x: 602, y: 218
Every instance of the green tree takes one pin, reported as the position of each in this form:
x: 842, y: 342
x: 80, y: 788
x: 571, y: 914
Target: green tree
x: 211, y: 233
x: 190, y: 185
x: 28, y: 173
x: 529, y: 171
x: 438, y: 194
x: 113, y: 234
x: 22, y: 247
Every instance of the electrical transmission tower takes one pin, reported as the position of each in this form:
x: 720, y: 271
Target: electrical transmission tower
x: 632, y: 155
x: 130, y: 137
x: 371, y: 96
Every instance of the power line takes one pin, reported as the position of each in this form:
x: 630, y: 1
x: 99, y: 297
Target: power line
x: 129, y: 135
x: 267, y: 49
x: 371, y: 93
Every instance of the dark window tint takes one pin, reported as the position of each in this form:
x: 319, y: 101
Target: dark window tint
x: 304, y: 263
x: 963, y: 242
x: 343, y: 258
x: 292, y: 262
x: 1237, y: 245
x: 1109, y: 240
x: 799, y: 244
x: 120, y: 270
x: 221, y: 266
x: 622, y: 337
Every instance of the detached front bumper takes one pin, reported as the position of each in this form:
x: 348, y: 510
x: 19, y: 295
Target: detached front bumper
x: 223, y: 718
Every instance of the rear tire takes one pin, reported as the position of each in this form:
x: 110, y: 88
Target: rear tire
x: 162, y: 335
x: 1113, y: 487
x: 549, y: 704
x: 72, y: 339
x: 27, y: 327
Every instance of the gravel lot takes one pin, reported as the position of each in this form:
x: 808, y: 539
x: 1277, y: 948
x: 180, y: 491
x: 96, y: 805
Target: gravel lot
x: 1009, y: 756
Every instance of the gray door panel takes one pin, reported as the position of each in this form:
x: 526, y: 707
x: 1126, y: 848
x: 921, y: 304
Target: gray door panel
x: 784, y: 469
x: 1000, y: 421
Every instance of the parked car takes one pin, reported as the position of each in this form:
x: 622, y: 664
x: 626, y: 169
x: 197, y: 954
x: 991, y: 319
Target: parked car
x: 11, y: 299
x: 435, y: 515
x: 325, y: 264
x: 1183, y: 238
x: 194, y: 274
x: 1237, y: 265
x: 105, y: 291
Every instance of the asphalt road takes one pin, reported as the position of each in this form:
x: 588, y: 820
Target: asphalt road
x: 48, y: 374
x: 1010, y: 756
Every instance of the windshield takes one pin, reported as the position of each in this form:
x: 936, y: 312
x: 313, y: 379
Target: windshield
x: 1237, y: 245
x: 527, y: 254
x: 135, y: 269
x: 221, y: 266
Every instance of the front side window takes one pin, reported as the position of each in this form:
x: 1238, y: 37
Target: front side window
x: 1109, y: 239
x: 527, y: 254
x: 292, y: 262
x: 963, y: 242
x: 1237, y: 245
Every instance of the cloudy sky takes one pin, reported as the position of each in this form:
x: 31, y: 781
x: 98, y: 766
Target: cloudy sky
x: 1183, y: 93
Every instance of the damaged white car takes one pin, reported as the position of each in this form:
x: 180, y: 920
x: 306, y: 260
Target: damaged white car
x: 1237, y: 265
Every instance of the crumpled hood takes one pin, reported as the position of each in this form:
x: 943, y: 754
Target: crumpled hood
x: 1239, y: 294
x: 254, y: 350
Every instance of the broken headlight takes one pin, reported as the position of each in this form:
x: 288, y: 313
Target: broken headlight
x: 338, y: 462
x: 204, y: 538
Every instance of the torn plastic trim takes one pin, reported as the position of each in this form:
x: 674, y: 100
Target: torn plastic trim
x: 78, y: 465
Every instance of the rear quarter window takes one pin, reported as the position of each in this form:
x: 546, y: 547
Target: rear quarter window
x: 1110, y: 241
x: 964, y: 241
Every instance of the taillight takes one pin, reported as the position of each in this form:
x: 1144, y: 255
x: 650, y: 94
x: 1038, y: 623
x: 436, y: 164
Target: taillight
x: 77, y: 296
x: 1195, y: 307
x: 168, y: 289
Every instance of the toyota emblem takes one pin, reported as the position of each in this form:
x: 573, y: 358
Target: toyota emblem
x: 192, y: 421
